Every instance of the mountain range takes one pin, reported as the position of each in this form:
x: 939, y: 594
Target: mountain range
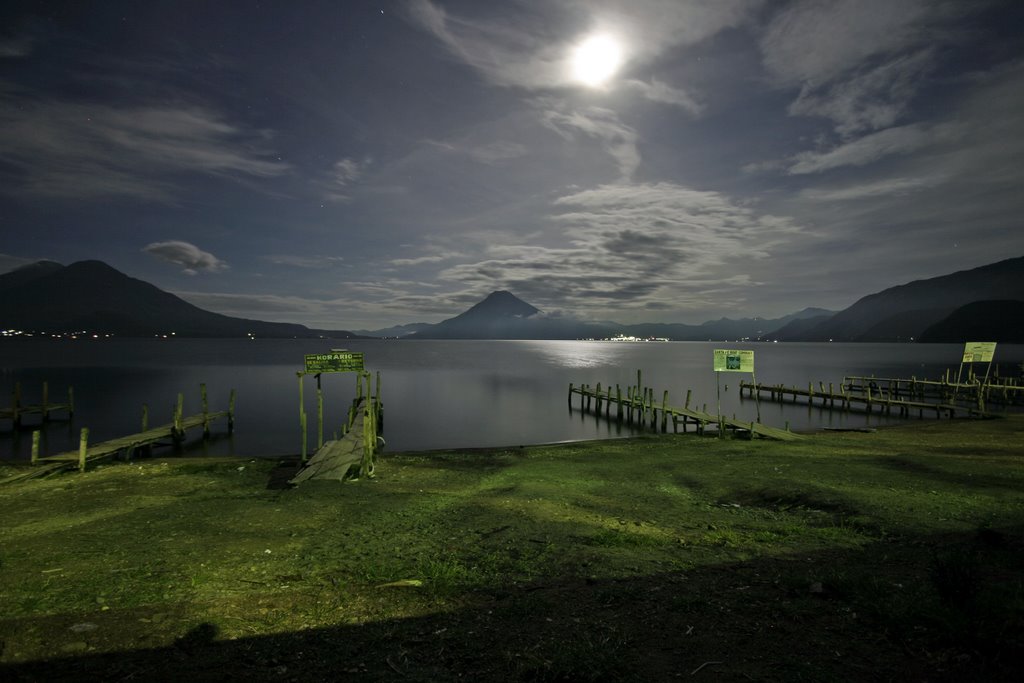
x: 983, y: 303
x: 90, y: 296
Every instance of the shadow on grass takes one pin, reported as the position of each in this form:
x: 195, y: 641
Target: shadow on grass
x: 947, y: 608
x: 975, y: 481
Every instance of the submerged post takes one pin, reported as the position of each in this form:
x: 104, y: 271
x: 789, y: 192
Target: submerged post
x: 16, y: 405
x: 231, y: 412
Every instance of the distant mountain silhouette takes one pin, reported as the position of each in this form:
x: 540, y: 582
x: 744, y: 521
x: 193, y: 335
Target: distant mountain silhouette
x: 998, y: 321
x: 502, y: 315
x: 92, y: 296
x: 903, y: 313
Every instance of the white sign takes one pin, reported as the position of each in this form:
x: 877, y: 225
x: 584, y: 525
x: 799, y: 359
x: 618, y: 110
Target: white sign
x: 979, y: 352
x: 734, y: 360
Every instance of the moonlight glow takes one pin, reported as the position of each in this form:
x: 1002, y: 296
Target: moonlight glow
x: 595, y: 60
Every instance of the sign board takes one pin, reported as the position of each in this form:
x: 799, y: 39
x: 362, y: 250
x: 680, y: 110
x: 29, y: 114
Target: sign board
x: 733, y: 360
x: 335, y: 361
x: 979, y: 352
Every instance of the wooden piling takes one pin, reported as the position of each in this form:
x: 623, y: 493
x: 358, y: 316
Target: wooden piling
x: 83, y: 447
x: 664, y: 412
x: 177, y: 434
x: 206, y: 411
x: 35, y: 446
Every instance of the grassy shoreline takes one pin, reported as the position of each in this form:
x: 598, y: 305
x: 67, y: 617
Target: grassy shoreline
x: 848, y: 556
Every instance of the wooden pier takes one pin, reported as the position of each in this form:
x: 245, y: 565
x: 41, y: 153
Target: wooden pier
x: 354, y: 454
x: 639, y: 407
x: 1006, y: 392
x: 174, y: 431
x: 850, y: 398
x: 45, y: 408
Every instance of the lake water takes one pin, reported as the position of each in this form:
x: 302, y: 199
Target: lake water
x: 437, y: 394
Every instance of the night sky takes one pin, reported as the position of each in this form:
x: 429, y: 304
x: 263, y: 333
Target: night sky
x: 356, y: 164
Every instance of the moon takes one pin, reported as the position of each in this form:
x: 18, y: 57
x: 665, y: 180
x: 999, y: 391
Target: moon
x: 595, y: 60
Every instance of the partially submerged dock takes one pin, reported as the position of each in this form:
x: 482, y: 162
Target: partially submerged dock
x: 173, y: 432
x: 18, y: 409
x: 639, y: 407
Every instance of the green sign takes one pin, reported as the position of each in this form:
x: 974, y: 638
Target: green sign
x: 733, y: 360
x: 335, y: 361
x: 979, y: 352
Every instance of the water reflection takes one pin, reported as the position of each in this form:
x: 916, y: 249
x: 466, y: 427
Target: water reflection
x: 577, y: 354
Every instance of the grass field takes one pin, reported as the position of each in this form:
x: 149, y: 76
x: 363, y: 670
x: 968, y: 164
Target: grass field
x: 893, y: 555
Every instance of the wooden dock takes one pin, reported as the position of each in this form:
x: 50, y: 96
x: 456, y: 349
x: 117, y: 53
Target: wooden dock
x: 869, y: 401
x: 638, y: 407
x: 18, y: 409
x: 1006, y: 392
x: 174, y: 431
x: 354, y: 454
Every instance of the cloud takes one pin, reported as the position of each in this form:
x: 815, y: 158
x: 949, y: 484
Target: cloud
x: 656, y: 91
x: 343, y: 174
x: 873, y: 190
x: 192, y: 259
x: 871, y: 148
x: 56, y: 148
x: 15, y: 47
x: 813, y: 42
x: 618, y: 139
x: 859, y: 63
x: 628, y: 246
x: 871, y: 100
x: 308, y: 262
x: 497, y: 151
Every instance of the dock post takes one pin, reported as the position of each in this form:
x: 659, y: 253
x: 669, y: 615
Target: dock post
x: 686, y: 405
x: 618, y: 403
x: 302, y: 415
x: 597, y: 401
x: 83, y: 448
x: 570, y: 397
x: 231, y: 412
x: 46, y: 401
x: 302, y: 423
x: 145, y: 417
x: 35, y: 446
x: 664, y: 412
x: 71, y: 402
x: 206, y: 410
x: 320, y: 411
x: 608, y: 403
x: 378, y: 406
x: 178, y: 434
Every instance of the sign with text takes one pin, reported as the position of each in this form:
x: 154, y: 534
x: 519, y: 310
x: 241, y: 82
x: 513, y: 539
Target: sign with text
x: 979, y: 352
x: 733, y: 360
x: 335, y: 361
